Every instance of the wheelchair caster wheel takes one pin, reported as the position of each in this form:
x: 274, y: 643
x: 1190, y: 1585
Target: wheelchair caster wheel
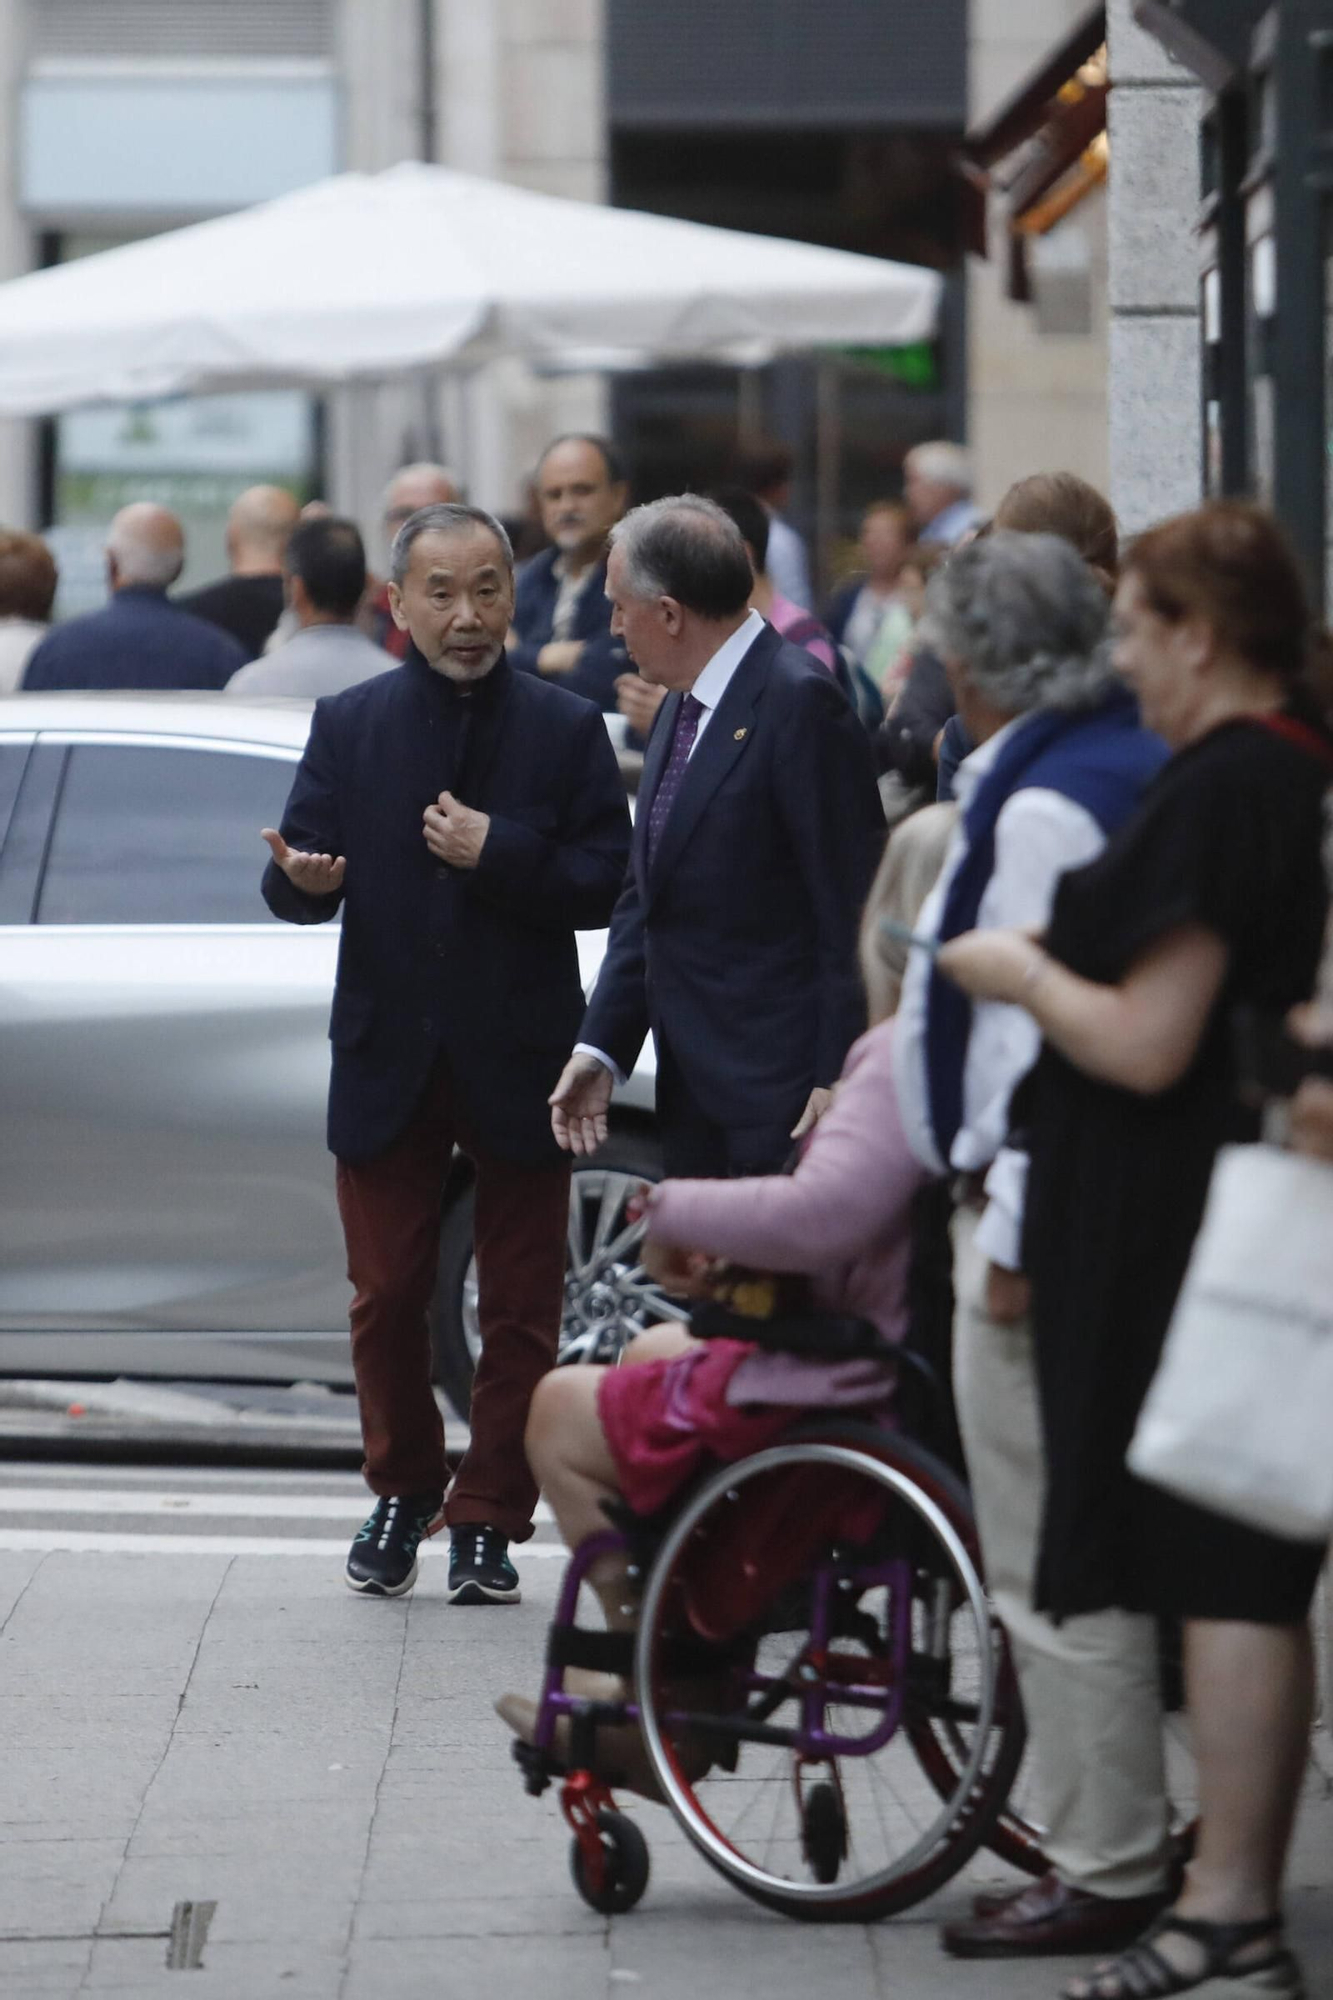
x: 613, y: 1877
x: 824, y: 1832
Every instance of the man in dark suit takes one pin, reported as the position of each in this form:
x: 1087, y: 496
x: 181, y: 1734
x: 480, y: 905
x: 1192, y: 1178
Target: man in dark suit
x: 562, y: 619
x: 458, y: 994
x: 758, y: 832
x: 139, y: 639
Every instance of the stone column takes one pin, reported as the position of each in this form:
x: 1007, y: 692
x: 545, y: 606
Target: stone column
x: 1154, y: 288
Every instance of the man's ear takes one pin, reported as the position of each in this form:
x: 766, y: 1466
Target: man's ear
x: 673, y: 615
x: 396, y: 607
x: 298, y: 597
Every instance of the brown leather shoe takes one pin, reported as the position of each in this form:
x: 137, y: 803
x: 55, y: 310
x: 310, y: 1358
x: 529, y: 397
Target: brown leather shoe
x: 1180, y: 1853
x: 1048, y: 1919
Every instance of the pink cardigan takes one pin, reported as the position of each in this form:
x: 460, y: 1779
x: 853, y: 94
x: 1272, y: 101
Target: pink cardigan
x: 843, y: 1217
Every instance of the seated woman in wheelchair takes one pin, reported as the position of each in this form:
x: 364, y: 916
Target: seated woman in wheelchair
x: 841, y: 1222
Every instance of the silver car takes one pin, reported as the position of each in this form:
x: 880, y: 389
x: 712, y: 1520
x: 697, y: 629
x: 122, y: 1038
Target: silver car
x: 166, y: 1200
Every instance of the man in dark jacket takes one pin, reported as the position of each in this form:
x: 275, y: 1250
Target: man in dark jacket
x: 757, y: 834
x: 248, y: 601
x: 457, y: 996
x: 139, y: 639
x: 562, y: 621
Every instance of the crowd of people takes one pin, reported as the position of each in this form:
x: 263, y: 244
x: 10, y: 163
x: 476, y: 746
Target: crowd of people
x: 958, y: 885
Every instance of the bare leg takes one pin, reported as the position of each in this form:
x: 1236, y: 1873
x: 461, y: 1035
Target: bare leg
x: 660, y: 1343
x: 1251, y: 1702
x: 572, y: 1464
x: 1250, y: 1693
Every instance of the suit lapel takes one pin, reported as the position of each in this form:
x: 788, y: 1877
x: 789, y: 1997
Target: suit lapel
x: 728, y: 736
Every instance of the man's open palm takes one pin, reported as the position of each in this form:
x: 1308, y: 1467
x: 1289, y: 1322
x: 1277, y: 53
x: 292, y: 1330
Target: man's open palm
x: 579, y: 1104
x: 316, y: 874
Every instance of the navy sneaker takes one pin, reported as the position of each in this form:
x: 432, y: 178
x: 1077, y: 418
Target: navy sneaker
x: 383, y: 1558
x: 480, y: 1571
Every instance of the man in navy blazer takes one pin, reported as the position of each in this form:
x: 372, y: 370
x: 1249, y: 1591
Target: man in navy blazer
x: 561, y: 617
x: 758, y: 832
x: 139, y: 639
x: 457, y: 996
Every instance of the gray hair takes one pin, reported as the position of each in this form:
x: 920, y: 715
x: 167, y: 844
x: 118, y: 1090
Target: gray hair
x: 147, y: 544
x: 446, y: 517
x: 943, y: 463
x: 1026, y: 619
x: 687, y: 548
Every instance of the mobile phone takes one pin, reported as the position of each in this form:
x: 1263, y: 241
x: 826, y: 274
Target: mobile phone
x: 897, y: 933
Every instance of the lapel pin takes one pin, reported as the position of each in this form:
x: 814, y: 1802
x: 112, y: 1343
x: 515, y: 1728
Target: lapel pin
x: 741, y: 735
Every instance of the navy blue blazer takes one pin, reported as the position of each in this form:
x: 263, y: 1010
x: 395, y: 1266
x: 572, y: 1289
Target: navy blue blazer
x: 534, y: 610
x: 480, y: 964
x: 738, y: 944
x: 139, y: 640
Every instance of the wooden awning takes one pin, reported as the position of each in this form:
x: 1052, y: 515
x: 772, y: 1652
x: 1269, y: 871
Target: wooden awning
x: 1043, y: 150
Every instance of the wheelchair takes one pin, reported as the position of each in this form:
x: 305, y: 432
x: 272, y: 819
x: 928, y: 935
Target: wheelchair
x: 825, y: 1700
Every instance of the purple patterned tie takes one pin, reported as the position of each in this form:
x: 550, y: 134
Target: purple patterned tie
x: 682, y: 742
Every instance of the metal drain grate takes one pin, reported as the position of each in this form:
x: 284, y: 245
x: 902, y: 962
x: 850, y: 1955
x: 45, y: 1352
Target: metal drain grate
x: 189, y: 1935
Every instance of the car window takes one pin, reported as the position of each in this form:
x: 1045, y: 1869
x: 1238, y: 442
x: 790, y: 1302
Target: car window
x: 161, y: 836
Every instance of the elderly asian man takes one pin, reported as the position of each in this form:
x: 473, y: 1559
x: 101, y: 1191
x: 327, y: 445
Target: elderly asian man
x: 466, y: 820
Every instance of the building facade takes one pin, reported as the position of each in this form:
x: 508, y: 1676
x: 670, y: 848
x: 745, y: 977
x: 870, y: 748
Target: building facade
x: 819, y: 118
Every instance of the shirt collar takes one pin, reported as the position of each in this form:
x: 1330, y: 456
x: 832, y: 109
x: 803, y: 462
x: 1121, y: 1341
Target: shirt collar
x: 713, y: 682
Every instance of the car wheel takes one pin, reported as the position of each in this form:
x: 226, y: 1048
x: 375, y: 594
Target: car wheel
x: 608, y: 1298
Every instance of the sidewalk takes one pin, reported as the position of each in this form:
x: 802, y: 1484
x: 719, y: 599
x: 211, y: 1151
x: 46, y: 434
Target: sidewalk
x: 243, y: 1731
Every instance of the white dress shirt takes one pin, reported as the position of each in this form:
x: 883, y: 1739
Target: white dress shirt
x: 1038, y: 835
x: 708, y: 691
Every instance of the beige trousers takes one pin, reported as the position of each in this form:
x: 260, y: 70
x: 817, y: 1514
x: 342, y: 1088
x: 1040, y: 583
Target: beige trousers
x: 1089, y: 1684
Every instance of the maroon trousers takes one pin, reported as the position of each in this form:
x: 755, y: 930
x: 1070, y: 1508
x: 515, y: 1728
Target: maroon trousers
x: 390, y: 1209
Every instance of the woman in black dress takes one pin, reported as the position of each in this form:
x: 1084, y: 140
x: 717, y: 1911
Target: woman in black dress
x: 1211, y: 897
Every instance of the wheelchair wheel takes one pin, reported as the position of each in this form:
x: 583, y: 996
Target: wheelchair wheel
x: 831, y: 1586
x: 624, y: 1865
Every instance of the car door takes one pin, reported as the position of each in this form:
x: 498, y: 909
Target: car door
x: 163, y: 1051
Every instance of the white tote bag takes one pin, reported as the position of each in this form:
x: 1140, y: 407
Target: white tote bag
x: 1239, y: 1417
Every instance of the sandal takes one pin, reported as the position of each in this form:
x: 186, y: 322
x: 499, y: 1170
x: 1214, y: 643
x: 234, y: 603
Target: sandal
x: 1144, y: 1973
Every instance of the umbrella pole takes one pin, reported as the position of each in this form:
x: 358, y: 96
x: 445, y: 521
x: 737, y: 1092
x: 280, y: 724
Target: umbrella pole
x: 828, y: 465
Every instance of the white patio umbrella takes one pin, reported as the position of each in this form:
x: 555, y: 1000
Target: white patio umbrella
x: 366, y: 277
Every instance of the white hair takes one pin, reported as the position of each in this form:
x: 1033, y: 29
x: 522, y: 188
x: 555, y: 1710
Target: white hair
x: 141, y: 559
x: 942, y: 463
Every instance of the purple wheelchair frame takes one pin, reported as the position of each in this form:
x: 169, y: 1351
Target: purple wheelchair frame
x: 810, y: 1740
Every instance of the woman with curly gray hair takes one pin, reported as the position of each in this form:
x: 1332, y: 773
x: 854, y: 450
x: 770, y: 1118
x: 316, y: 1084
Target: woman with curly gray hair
x: 1020, y: 621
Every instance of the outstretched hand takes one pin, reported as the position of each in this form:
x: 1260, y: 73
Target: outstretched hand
x: 579, y: 1104
x: 314, y: 874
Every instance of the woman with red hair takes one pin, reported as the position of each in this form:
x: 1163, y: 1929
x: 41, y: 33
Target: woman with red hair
x: 1212, y: 896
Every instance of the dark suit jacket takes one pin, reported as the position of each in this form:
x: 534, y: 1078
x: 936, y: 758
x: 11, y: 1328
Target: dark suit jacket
x: 738, y: 944
x: 534, y: 610
x: 138, y: 640
x: 480, y: 964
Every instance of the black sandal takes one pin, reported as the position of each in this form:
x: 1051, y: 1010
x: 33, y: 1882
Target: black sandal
x: 1143, y: 1973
